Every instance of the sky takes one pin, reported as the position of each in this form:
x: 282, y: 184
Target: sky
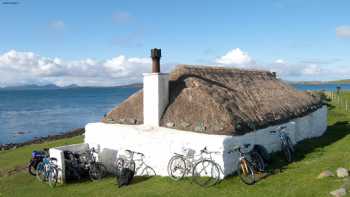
x: 105, y: 43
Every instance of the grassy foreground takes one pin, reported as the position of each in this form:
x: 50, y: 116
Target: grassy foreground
x: 297, y: 179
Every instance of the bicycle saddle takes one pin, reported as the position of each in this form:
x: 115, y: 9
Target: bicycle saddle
x: 53, y: 159
x: 246, y: 145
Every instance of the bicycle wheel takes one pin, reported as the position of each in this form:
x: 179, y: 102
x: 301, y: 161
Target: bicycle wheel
x: 287, y: 154
x: 206, y: 173
x: 131, y: 165
x: 52, y: 176
x: 148, y: 171
x: 245, y: 172
x: 97, y: 171
x: 257, y: 161
x: 32, y: 168
x: 40, y: 172
x: 290, y: 144
x: 177, y: 168
x: 118, y: 165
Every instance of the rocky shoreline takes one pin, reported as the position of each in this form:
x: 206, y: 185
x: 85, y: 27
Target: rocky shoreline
x: 72, y: 133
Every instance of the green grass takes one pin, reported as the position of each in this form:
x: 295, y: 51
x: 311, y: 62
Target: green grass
x: 297, y: 179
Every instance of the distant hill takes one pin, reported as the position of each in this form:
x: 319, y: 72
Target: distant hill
x: 339, y: 81
x: 343, y: 81
x: 72, y: 86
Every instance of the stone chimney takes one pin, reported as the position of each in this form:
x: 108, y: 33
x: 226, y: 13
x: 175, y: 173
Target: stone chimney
x: 155, y: 91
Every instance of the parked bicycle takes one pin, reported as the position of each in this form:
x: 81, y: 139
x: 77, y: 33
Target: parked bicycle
x: 47, y: 170
x: 129, y: 161
x: 286, y: 144
x: 205, y: 171
x: 88, y: 161
x: 250, y: 163
x: 37, y: 157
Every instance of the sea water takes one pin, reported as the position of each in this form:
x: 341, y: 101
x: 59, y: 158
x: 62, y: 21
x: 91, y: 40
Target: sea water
x: 26, y: 114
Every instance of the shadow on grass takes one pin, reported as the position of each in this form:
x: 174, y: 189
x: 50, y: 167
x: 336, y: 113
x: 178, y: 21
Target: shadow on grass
x: 334, y: 133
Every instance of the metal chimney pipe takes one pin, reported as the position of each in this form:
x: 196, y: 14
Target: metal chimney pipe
x: 155, y: 55
x: 274, y: 74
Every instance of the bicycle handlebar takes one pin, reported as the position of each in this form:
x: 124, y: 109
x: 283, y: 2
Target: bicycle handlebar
x: 281, y: 128
x: 134, y: 152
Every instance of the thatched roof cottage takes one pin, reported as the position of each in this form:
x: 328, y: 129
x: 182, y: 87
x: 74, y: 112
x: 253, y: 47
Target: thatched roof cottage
x: 223, y: 101
x: 197, y: 106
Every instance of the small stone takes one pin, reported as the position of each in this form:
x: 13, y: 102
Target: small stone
x: 170, y: 124
x: 131, y: 121
x: 342, y: 172
x: 339, y: 192
x: 199, y: 128
x: 185, y: 124
x: 325, y: 173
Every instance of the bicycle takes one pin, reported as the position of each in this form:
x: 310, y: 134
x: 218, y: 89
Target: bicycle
x: 37, y: 157
x: 89, y: 163
x: 249, y: 165
x: 286, y: 144
x: 47, y: 170
x: 205, y: 171
x: 129, y: 162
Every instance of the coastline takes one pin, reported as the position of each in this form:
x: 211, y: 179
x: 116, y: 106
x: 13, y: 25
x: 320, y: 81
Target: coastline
x: 71, y: 133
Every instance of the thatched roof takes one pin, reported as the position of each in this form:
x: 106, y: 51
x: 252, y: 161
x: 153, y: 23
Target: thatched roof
x: 224, y: 101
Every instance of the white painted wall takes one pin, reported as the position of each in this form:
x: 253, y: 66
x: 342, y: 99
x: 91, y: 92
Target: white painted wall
x: 155, y: 97
x: 57, y: 153
x: 159, y: 144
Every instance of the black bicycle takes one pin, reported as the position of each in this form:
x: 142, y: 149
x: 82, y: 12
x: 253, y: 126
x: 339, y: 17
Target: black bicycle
x: 250, y: 163
x: 88, y: 162
x: 286, y: 144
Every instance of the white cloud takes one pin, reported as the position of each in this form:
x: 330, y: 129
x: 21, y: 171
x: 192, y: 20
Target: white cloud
x: 279, y: 61
x: 235, y: 57
x: 343, y: 31
x: 311, y: 69
x: 26, y: 67
x: 57, y: 25
x: 319, y: 69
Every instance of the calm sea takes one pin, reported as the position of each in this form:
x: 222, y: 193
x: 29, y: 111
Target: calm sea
x: 42, y: 112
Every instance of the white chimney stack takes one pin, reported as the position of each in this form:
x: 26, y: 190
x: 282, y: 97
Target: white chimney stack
x: 155, y: 92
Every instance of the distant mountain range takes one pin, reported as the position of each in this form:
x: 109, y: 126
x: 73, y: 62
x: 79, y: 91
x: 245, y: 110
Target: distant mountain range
x: 139, y: 85
x: 54, y: 87
x: 343, y: 81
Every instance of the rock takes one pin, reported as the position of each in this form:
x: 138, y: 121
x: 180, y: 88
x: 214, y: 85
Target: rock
x: 185, y: 124
x: 325, y: 173
x: 131, y: 121
x: 170, y: 124
x: 342, y: 172
x: 20, y: 133
x: 200, y: 128
x: 339, y: 192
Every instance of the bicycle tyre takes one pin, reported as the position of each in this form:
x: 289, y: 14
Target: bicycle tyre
x: 177, y: 168
x: 32, y: 168
x: 258, y: 161
x: 97, y: 171
x: 211, y: 174
x: 287, y: 154
x: 245, y: 172
x: 52, y: 177
x: 290, y: 144
x: 40, y: 172
x: 148, y: 172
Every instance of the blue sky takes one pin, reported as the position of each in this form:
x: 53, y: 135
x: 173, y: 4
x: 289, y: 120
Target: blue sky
x: 47, y: 41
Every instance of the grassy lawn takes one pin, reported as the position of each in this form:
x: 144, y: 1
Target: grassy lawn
x: 297, y: 179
